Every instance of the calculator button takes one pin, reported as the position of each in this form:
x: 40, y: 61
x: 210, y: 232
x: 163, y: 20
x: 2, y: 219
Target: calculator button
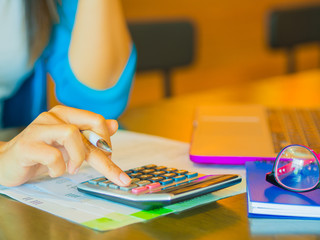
x: 181, y: 172
x: 144, y: 177
x: 179, y: 178
x: 97, y: 180
x: 128, y: 171
x: 155, y: 179
x: 191, y: 174
x: 169, y: 170
x: 133, y: 180
x: 153, y: 185
x: 113, y: 186
x: 138, y: 169
x: 127, y: 188
x: 104, y: 183
x: 150, y: 166
x: 143, y: 182
x: 158, y: 173
x: 160, y: 168
x: 134, y: 175
x: 147, y: 171
x: 139, y: 189
x: 169, y: 175
x: 166, y: 181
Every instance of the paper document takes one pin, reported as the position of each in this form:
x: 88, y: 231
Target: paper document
x: 59, y: 196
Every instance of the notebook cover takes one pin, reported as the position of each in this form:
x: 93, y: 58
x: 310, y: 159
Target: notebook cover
x: 279, y: 202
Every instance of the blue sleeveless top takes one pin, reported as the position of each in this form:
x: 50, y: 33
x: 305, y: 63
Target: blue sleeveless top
x: 31, y: 98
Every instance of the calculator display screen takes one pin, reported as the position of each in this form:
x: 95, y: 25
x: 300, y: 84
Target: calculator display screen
x: 205, y: 181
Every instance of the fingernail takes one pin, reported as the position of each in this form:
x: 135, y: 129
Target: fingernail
x: 125, y: 179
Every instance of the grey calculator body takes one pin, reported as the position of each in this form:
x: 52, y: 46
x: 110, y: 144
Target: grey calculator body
x: 162, y: 195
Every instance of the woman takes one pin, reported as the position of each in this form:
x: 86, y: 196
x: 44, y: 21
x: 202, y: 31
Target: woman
x: 86, y: 48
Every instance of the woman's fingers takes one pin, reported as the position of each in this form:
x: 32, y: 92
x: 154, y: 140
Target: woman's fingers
x: 48, y: 156
x: 95, y: 157
x: 54, y: 138
x: 35, y: 156
x: 61, y: 136
x: 112, y: 126
x: 99, y: 161
x: 85, y: 120
x: 82, y: 119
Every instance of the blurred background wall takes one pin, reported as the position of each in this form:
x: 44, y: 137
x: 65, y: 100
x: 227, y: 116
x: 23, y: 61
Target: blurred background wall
x: 231, y: 45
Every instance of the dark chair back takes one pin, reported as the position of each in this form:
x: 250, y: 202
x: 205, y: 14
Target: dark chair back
x: 163, y: 45
x: 289, y: 27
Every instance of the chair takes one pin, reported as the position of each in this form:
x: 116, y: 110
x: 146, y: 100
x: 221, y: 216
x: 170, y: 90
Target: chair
x: 163, y: 45
x: 289, y: 27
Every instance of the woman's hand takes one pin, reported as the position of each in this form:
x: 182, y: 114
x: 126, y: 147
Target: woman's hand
x: 53, y: 142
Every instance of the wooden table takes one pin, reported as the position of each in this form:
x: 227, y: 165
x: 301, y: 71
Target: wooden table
x: 172, y: 118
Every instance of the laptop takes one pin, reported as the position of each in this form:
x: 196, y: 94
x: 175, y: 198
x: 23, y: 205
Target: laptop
x: 234, y: 134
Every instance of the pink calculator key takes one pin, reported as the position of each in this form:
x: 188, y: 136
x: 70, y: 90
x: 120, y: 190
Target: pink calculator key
x: 153, y: 185
x: 139, y: 189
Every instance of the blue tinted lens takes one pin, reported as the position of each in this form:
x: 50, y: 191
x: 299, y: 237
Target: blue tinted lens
x: 297, y: 168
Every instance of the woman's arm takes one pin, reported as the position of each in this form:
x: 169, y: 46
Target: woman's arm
x: 100, y: 43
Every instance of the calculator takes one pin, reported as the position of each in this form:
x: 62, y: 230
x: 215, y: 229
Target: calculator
x: 155, y: 186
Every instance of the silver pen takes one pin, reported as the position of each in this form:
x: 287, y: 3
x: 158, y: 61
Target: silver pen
x: 96, y: 140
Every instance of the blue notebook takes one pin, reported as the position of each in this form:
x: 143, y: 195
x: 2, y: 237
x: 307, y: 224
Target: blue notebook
x: 265, y: 199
